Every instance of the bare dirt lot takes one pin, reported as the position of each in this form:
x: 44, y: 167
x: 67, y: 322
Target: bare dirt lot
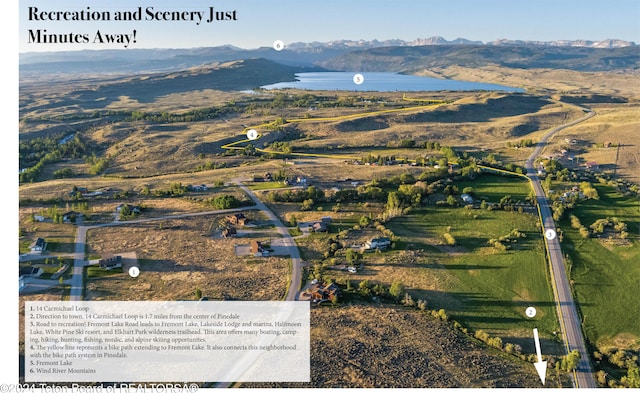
x: 381, y: 346
x: 177, y: 257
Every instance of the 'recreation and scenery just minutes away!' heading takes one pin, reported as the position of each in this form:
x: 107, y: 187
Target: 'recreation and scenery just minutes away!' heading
x: 150, y: 14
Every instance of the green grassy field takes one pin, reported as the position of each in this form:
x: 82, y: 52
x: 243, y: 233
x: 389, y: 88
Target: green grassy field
x: 98, y: 272
x: 478, y: 285
x: 493, y: 188
x: 606, y: 275
x: 266, y: 185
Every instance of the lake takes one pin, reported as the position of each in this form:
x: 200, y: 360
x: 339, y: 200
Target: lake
x: 382, y: 81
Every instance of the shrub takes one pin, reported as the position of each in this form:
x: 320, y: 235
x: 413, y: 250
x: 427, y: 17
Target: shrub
x: 364, y: 221
x: 363, y: 287
x: 584, y: 232
x: 509, y: 348
x: 495, y: 342
x: 408, y: 300
x: 379, y: 290
x: 482, y: 336
x: 397, y: 289
x: 575, y: 222
x: 449, y: 239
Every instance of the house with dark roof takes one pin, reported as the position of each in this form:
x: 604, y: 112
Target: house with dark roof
x: 38, y: 245
x: 229, y: 232
x: 110, y: 261
x: 258, y: 250
x: 30, y: 271
x: 70, y: 216
x: 320, y: 292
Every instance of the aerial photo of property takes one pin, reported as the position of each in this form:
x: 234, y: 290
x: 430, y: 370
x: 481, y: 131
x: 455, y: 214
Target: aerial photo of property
x: 457, y: 212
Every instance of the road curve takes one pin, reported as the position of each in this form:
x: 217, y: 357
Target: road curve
x: 79, y: 263
x: 566, y: 308
x: 296, y: 262
x: 289, y: 243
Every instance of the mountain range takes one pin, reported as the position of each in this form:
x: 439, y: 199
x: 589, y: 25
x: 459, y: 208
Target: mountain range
x: 348, y: 55
x: 437, y: 40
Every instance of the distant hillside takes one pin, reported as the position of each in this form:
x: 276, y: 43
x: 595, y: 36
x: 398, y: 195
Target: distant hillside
x: 407, y: 59
x: 132, y: 61
x: 230, y: 76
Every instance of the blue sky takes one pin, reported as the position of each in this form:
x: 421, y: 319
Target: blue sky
x: 261, y: 22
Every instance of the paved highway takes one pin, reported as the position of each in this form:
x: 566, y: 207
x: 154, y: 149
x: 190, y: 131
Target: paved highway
x: 567, y: 313
x: 78, y: 263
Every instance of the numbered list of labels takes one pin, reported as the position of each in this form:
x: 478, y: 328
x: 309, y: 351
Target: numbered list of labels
x: 166, y: 341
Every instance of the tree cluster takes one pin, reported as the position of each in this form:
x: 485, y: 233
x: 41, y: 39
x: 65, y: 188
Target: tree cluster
x: 568, y: 362
x: 64, y: 173
x: 34, y: 154
x: 98, y: 165
x: 619, y: 360
x: 588, y: 190
x: 521, y: 143
x: 576, y: 224
x: 127, y: 213
x: 503, y: 243
x: 483, y: 336
x: 175, y: 189
x: 210, y: 165
x: 612, y: 223
x: 189, y: 116
x: 222, y: 202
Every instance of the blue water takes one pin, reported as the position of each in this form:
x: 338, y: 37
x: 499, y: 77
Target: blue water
x: 382, y: 81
